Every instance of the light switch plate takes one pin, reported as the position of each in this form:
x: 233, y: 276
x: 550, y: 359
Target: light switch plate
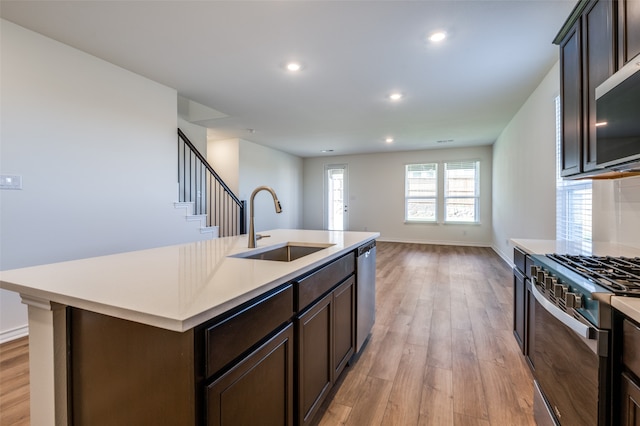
x: 10, y: 182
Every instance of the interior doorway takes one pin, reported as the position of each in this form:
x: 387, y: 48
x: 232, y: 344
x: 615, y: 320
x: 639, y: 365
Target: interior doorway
x: 336, y: 217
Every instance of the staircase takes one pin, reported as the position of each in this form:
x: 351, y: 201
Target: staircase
x: 204, y: 195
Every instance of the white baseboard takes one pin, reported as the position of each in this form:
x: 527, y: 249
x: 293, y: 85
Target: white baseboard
x: 439, y: 243
x: 507, y: 259
x: 15, y: 333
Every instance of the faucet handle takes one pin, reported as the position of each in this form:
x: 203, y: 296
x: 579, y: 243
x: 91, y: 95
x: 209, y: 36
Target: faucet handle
x: 260, y: 236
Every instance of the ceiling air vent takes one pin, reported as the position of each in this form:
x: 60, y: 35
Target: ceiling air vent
x: 445, y: 141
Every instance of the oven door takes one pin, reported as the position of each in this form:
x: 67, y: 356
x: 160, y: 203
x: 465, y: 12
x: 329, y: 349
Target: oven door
x: 571, y: 367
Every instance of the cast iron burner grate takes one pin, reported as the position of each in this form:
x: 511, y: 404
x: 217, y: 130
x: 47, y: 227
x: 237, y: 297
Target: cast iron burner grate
x: 621, y: 275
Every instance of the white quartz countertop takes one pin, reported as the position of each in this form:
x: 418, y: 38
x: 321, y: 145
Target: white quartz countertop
x: 569, y: 247
x: 630, y: 306
x: 176, y: 287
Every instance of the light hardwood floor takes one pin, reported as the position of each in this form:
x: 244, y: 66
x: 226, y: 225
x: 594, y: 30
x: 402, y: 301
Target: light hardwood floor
x: 14, y: 382
x: 442, y: 351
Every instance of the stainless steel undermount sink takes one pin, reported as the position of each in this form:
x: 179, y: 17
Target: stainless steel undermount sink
x: 284, y: 253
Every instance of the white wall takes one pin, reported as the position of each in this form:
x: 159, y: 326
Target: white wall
x: 196, y: 134
x: 224, y: 157
x: 376, y: 195
x: 259, y: 166
x: 524, y: 171
x: 96, y: 148
x: 245, y: 165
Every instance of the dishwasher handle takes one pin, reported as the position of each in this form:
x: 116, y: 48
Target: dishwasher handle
x: 365, y: 248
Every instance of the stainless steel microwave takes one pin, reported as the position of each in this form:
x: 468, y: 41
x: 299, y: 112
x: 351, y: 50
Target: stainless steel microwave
x: 618, y: 119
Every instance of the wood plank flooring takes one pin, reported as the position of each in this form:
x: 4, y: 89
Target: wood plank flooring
x: 442, y: 351
x: 14, y: 382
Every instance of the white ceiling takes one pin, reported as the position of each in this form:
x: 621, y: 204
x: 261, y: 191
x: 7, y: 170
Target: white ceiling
x: 229, y: 55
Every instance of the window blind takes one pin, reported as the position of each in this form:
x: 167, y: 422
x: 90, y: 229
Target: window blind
x: 573, y: 199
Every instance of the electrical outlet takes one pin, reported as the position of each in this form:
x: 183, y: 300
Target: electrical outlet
x: 10, y: 182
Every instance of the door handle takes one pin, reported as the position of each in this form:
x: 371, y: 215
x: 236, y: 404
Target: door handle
x: 579, y: 328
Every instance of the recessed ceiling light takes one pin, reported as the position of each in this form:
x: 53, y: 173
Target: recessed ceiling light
x: 327, y: 150
x: 389, y: 140
x: 294, y: 66
x: 395, y: 96
x: 438, y: 36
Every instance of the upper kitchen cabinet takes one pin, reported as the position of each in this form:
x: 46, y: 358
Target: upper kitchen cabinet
x: 628, y: 31
x: 587, y: 58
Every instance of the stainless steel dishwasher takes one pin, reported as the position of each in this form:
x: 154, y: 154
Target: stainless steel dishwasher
x: 365, y: 292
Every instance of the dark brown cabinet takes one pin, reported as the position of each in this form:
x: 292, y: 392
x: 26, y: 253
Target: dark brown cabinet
x: 314, y: 346
x: 519, y: 308
x: 530, y: 335
x: 628, y: 31
x: 629, y: 400
x: 249, y: 380
x: 258, y: 389
x: 571, y: 102
x: 344, y: 334
x: 523, y: 304
x: 326, y: 342
x: 126, y: 373
x: 587, y: 59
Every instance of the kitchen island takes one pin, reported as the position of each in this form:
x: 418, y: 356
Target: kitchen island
x: 173, y: 291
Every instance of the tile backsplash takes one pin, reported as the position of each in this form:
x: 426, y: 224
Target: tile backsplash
x: 626, y: 201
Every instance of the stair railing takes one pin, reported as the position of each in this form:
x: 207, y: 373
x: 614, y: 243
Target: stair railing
x: 199, y: 184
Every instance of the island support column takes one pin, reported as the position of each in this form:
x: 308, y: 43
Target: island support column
x: 47, y: 361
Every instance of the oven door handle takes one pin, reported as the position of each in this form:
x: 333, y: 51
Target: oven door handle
x: 579, y: 328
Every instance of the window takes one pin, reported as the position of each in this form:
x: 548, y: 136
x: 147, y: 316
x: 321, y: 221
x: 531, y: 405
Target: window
x: 573, y: 200
x: 451, y: 192
x: 421, y: 191
x: 461, y: 191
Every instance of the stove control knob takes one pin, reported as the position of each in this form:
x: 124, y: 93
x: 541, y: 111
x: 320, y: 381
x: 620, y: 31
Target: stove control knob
x: 534, y: 271
x: 550, y: 283
x: 560, y: 290
x: 573, y: 300
x: 541, y: 277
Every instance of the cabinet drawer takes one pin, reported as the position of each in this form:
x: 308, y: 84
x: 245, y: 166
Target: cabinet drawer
x: 318, y: 283
x: 228, y: 339
x: 631, y: 346
x: 528, y: 263
x: 519, y: 259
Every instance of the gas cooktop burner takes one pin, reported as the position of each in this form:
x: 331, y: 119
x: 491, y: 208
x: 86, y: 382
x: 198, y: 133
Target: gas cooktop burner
x: 618, y: 274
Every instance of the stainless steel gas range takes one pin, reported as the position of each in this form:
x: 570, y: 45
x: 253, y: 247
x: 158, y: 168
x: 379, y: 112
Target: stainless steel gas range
x: 572, y: 334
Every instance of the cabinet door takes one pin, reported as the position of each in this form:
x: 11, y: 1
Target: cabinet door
x: 599, y: 64
x: 343, y: 325
x: 314, y: 357
x: 530, y: 335
x: 258, y: 390
x: 519, y: 294
x: 628, y: 30
x: 630, y: 415
x: 571, y: 95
